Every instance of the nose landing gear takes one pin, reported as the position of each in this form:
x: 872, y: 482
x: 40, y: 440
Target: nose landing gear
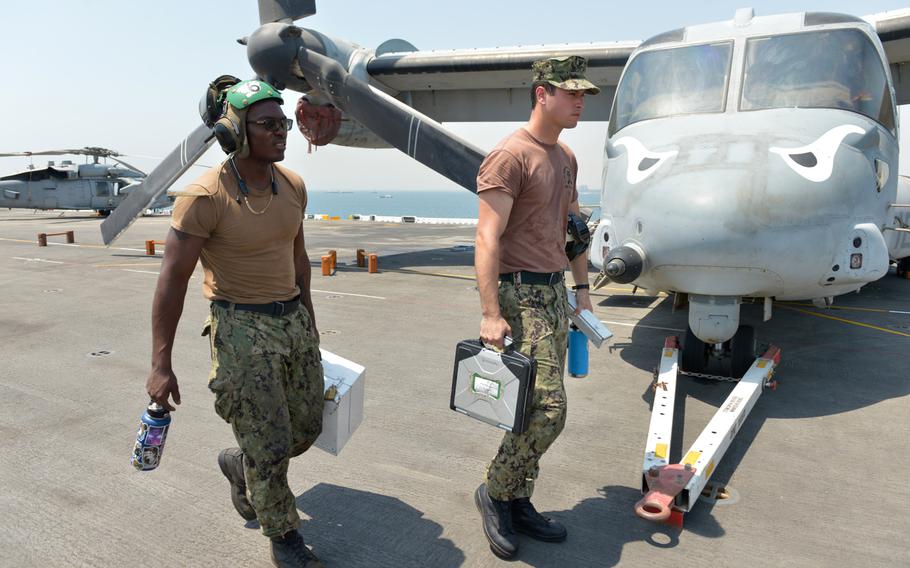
x: 730, y: 359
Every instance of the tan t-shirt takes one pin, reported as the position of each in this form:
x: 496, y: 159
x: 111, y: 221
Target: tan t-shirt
x: 246, y: 258
x: 541, y: 180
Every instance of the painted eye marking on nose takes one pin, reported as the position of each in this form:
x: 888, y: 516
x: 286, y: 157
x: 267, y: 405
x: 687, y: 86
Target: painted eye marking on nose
x: 641, y: 162
x: 646, y: 164
x: 806, y: 160
x: 815, y: 162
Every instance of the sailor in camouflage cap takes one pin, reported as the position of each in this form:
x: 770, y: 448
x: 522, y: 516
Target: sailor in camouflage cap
x: 526, y: 188
x: 565, y: 72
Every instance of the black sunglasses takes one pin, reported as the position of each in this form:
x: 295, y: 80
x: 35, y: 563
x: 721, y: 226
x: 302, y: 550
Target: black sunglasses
x: 273, y: 124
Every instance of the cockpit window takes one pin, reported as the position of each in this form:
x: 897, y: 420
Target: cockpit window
x: 667, y: 82
x: 826, y: 69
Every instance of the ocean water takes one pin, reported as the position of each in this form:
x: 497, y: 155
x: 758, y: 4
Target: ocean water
x: 458, y: 204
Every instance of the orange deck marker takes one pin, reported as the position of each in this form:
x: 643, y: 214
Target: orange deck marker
x: 326, y: 265
x: 374, y: 263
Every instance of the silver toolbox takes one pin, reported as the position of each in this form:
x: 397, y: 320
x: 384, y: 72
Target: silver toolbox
x: 493, y: 387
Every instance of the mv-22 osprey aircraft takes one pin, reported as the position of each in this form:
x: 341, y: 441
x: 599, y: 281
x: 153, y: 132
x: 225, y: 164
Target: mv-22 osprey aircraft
x: 97, y: 186
x: 750, y: 158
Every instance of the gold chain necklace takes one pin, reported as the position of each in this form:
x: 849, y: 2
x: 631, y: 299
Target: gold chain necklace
x: 244, y: 191
x: 264, y: 209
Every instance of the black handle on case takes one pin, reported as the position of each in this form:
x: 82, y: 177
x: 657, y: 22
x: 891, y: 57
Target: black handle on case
x: 507, y: 348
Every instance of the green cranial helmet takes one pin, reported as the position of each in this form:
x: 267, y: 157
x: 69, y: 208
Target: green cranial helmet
x: 230, y: 128
x: 245, y: 93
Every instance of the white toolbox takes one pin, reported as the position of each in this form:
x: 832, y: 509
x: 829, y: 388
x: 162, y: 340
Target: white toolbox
x: 587, y: 322
x: 343, y: 411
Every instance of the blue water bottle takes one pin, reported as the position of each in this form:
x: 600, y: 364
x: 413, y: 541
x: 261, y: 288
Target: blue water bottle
x: 578, y: 352
x: 153, y: 427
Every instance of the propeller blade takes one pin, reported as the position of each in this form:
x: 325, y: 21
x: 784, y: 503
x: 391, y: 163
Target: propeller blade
x: 174, y: 165
x: 415, y: 134
x: 285, y: 10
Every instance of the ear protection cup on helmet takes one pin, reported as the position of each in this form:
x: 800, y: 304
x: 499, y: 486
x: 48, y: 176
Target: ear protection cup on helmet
x: 227, y: 134
x: 211, y: 107
x: 578, y: 237
x: 224, y: 106
x: 230, y: 132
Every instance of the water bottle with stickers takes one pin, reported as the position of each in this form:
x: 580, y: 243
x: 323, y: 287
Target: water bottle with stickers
x: 153, y: 427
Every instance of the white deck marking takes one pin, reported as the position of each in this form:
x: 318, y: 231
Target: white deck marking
x: 37, y: 260
x: 347, y: 294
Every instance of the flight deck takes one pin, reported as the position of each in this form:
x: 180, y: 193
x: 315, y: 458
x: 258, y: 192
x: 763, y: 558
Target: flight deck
x: 815, y: 477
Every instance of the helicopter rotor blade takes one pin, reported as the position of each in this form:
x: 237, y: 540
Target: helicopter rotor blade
x: 415, y: 134
x: 44, y: 153
x: 130, y: 166
x: 158, y: 181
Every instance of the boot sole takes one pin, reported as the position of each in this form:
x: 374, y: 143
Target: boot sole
x: 493, y: 548
x: 236, y: 491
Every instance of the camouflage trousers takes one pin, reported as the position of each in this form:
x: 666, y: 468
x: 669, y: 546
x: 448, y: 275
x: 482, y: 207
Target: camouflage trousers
x: 538, y: 316
x: 268, y: 384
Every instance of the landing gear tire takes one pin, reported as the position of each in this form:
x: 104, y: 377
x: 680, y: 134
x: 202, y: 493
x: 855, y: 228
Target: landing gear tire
x: 694, y: 353
x: 742, y: 350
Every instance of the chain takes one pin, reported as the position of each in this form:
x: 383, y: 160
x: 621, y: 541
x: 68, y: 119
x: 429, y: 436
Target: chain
x: 720, y: 378
x: 660, y: 384
x: 253, y: 211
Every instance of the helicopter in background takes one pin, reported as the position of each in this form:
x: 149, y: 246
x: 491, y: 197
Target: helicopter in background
x: 98, y: 186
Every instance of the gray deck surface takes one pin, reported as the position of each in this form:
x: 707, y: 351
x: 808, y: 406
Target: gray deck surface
x: 817, y: 474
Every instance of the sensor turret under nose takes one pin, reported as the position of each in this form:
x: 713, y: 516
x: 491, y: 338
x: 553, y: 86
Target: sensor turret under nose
x: 624, y: 265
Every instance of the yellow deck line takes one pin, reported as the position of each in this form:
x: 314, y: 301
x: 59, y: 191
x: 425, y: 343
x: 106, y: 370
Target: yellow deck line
x: 844, y: 308
x: 835, y: 318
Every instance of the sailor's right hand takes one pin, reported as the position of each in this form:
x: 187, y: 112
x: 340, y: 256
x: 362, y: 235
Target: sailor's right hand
x: 162, y: 384
x: 493, y: 330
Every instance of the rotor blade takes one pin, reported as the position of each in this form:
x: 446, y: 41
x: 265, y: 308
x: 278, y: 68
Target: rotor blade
x: 87, y: 151
x: 285, y: 10
x: 157, y: 182
x: 44, y: 153
x: 415, y: 134
x: 130, y: 166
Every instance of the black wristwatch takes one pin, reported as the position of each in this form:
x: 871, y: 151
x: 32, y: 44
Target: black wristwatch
x: 581, y: 287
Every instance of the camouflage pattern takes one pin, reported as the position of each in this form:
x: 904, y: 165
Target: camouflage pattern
x: 538, y: 315
x: 564, y: 72
x: 268, y: 384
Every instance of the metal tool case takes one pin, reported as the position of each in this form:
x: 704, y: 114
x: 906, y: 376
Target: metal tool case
x: 493, y: 387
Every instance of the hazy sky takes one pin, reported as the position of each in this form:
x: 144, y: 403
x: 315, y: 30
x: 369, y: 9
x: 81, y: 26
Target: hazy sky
x: 128, y: 75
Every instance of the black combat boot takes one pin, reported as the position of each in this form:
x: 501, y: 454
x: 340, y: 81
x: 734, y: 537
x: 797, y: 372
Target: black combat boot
x: 528, y: 521
x: 231, y: 463
x: 289, y: 551
x: 497, y: 523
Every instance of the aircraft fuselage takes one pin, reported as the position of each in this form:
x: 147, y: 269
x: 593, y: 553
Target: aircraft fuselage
x: 743, y: 161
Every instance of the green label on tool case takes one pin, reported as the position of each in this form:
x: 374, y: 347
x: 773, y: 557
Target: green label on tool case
x: 486, y: 387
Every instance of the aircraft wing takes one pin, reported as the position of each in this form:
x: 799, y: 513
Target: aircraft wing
x: 479, y: 85
x: 893, y: 29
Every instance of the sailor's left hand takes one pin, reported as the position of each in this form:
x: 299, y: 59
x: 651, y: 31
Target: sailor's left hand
x: 583, y: 301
